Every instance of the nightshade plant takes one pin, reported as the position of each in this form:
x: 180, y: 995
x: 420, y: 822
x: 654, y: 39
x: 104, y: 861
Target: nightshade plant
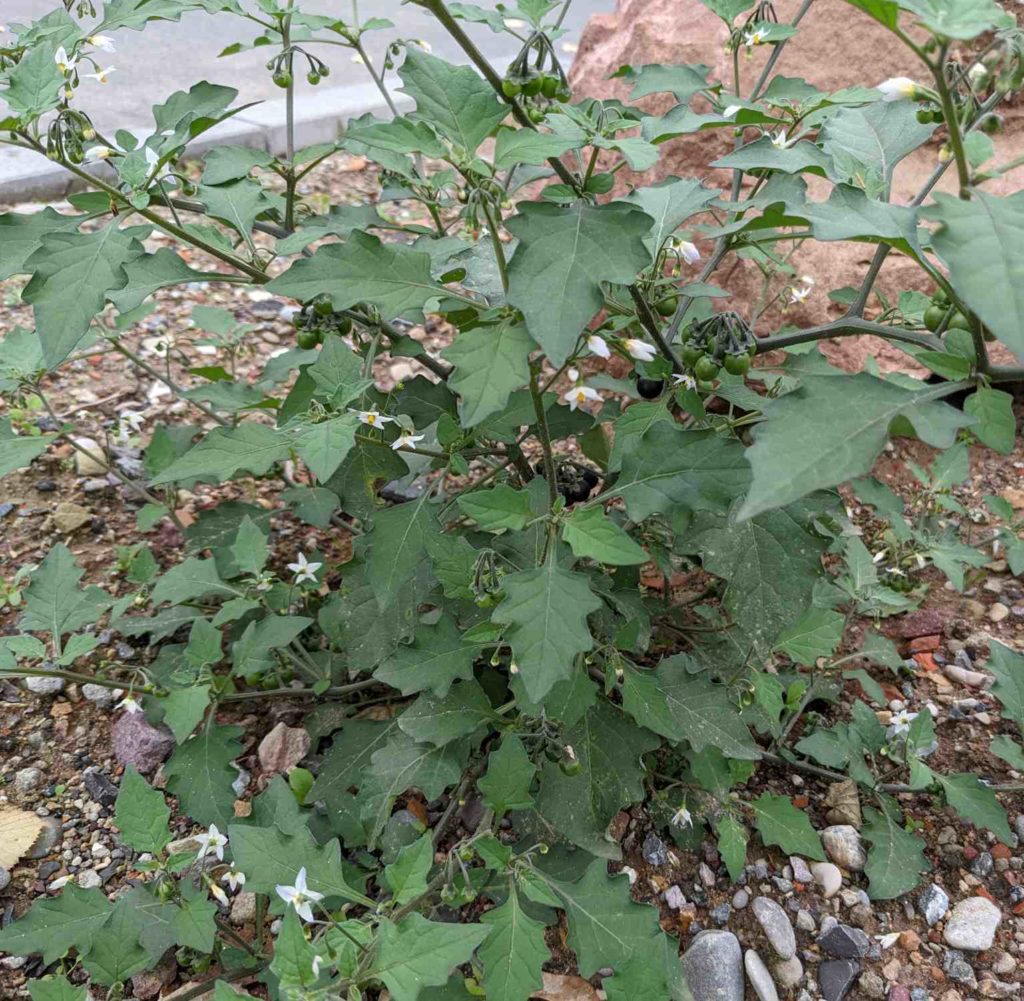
x: 492, y: 638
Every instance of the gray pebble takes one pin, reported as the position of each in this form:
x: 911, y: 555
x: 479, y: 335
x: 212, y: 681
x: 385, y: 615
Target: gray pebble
x: 836, y: 977
x: 759, y: 977
x: 5, y: 878
x: 713, y: 967
x: 845, y: 942
x: 654, y: 850
x: 933, y: 903
x: 27, y: 779
x: 957, y: 968
x: 45, y: 686
x: 776, y: 925
x: 740, y: 899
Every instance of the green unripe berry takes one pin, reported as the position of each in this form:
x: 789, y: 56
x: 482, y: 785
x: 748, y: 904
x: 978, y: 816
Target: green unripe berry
x: 691, y: 354
x: 532, y: 86
x: 511, y: 88
x: 667, y: 306
x: 959, y: 322
x: 737, y: 364
x: 933, y: 317
x: 283, y: 79
x: 313, y: 78
x: 706, y: 368
x: 307, y: 339
x: 549, y: 86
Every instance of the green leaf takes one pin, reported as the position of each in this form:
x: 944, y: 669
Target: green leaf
x: 672, y: 201
x: 251, y: 654
x: 150, y: 272
x: 867, y: 143
x: 224, y: 451
x: 324, y: 446
x: 961, y: 19
x: 452, y: 99
x: 514, y: 952
x: 250, y: 548
x: 728, y: 10
x: 510, y: 772
x: 490, y: 364
x: 71, y: 276
x: 54, y: 602
x: 237, y: 203
x: 608, y: 747
x: 57, y: 988
x: 606, y: 928
x: 732, y: 845
x: 995, y: 424
x: 22, y: 234
x: 815, y: 634
x: 194, y: 578
x: 417, y: 953
x: 1009, y: 750
x: 338, y: 373
x: 437, y: 657
x: 518, y: 145
x: 976, y: 803
x: 895, y: 859
x: 348, y: 759
x: 200, y: 774
x: 498, y: 509
x: 185, y: 707
x: 270, y: 858
x: 141, y: 813
x: 698, y: 470
x: 981, y: 241
x: 16, y: 450
x: 195, y: 926
x: 564, y: 254
x: 406, y: 877
x: 204, y: 645
x: 114, y: 952
x: 231, y: 163
x: 851, y: 429
x: 1008, y: 667
x: 780, y: 823
x: 398, y: 547
x: 53, y: 925
x: 394, y: 278
x: 684, y: 706
x: 763, y: 154
x: 293, y: 958
x: 34, y: 82
x: 591, y: 534
x: 439, y: 721
x: 545, y: 610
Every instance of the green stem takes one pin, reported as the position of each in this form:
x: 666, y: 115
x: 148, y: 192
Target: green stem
x: 279, y: 693
x: 956, y: 140
x: 81, y: 679
x: 499, y: 250
x: 849, y: 326
x: 545, y: 439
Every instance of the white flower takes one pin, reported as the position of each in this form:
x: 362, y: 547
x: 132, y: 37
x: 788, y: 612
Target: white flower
x: 101, y: 76
x: 407, y: 440
x: 65, y: 63
x: 780, y: 141
x: 879, y: 556
x: 807, y: 279
x: 300, y: 896
x: 152, y: 159
x: 318, y: 961
x: 219, y: 895
x: 686, y: 381
x: 103, y: 42
x: 234, y: 879
x: 756, y: 37
x: 129, y: 423
x: 901, y: 722
x: 423, y: 44
x: 129, y: 705
x: 514, y: 22
x: 640, y: 350
x: 303, y: 569
x: 599, y: 346
x: 211, y: 842
x: 797, y: 295
x: 574, y: 374
x: 689, y: 251
x: 580, y: 394
x: 898, y: 88
x: 371, y: 418
x: 95, y: 153
x: 682, y: 818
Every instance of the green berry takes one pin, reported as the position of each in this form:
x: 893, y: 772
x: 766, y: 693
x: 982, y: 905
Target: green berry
x: 283, y: 79
x: 706, y: 368
x: 532, y: 86
x: 959, y: 322
x: 691, y: 354
x: 933, y: 317
x: 307, y: 339
x: 667, y: 306
x: 549, y: 86
x: 510, y: 87
x: 737, y: 364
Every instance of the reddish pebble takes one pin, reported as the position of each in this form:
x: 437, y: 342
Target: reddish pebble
x: 897, y: 993
x: 982, y: 892
x: 926, y: 662
x: 801, y: 802
x: 1019, y: 909
x: 925, y: 644
x: 970, y: 853
x: 1001, y: 851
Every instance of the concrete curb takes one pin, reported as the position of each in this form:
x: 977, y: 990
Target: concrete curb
x: 319, y: 117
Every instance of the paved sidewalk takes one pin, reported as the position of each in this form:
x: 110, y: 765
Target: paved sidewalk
x: 170, y: 56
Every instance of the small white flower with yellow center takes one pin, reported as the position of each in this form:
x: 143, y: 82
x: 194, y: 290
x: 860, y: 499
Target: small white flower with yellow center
x: 897, y: 88
x: 211, y: 842
x: 682, y: 818
x: 756, y: 37
x: 300, y: 896
x: 640, y: 350
x: 688, y: 251
x: 686, y: 381
x: 129, y: 705
x: 102, y: 42
x: 780, y: 140
x: 406, y: 439
x: 65, y: 63
x: 598, y: 346
x: 579, y: 395
x: 303, y: 569
x: 372, y: 418
x: 102, y: 76
x: 130, y: 422
x: 96, y: 154
x: 234, y: 879
x: 901, y: 722
x: 799, y: 294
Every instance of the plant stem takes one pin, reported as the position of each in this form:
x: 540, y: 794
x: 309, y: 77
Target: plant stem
x: 81, y: 679
x: 847, y: 326
x: 499, y: 250
x: 278, y: 693
x: 651, y: 325
x: 545, y: 439
x: 956, y: 140
x: 289, y: 126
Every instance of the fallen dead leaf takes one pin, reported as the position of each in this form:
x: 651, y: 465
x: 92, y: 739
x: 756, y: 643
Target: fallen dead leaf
x: 565, y: 987
x: 18, y: 831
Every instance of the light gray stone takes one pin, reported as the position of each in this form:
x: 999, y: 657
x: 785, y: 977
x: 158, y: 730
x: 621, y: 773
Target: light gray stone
x: 89, y: 879
x: 759, y: 977
x: 243, y: 908
x: 48, y: 839
x: 843, y: 844
x: 789, y: 973
x: 713, y: 967
x: 100, y: 695
x: 27, y: 779
x: 800, y: 871
x: 44, y: 686
x: 776, y: 925
x: 5, y: 878
x: 828, y: 877
x: 972, y: 925
x: 933, y: 903
x: 90, y: 461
